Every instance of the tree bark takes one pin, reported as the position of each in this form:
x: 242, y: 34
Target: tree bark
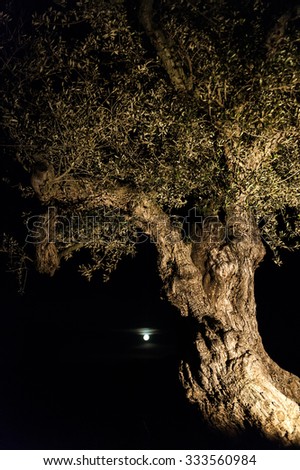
x: 165, y: 48
x: 227, y: 373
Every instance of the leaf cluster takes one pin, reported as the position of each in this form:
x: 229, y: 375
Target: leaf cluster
x: 84, y: 90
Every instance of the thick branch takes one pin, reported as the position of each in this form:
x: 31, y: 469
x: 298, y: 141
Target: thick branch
x: 87, y: 193
x: 165, y: 48
x: 180, y: 276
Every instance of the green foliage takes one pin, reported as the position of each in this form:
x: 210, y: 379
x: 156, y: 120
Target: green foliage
x: 99, y: 105
x: 85, y: 90
x: 107, y: 235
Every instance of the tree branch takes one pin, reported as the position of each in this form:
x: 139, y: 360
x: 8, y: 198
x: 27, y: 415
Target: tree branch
x: 277, y: 33
x: 166, y: 50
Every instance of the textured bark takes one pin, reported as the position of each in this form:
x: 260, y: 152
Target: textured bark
x: 165, y: 48
x: 228, y: 374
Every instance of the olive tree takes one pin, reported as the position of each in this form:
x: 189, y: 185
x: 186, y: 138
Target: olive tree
x: 177, y: 121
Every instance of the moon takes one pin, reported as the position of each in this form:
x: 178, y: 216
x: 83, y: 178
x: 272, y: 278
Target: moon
x: 146, y: 337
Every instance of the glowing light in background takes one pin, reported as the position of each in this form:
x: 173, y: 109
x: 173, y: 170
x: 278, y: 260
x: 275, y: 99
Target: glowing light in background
x: 146, y: 337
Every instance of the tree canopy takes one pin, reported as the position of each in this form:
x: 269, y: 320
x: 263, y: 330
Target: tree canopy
x: 191, y: 103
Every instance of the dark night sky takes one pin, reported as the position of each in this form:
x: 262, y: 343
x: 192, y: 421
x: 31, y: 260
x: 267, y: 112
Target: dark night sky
x: 75, y: 372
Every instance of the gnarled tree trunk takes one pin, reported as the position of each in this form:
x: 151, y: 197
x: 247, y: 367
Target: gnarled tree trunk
x: 228, y: 375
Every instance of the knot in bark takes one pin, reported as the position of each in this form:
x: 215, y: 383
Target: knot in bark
x: 222, y: 263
